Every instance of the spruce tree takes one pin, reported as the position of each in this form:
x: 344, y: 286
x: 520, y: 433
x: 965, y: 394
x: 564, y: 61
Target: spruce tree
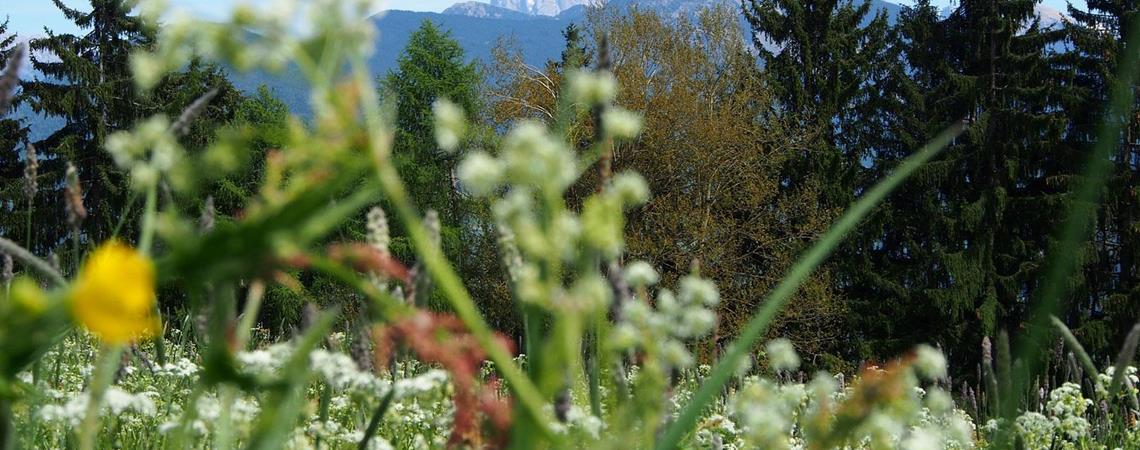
x: 832, y: 67
x: 13, y: 135
x: 1105, y: 305
x: 85, y: 80
x: 974, y: 226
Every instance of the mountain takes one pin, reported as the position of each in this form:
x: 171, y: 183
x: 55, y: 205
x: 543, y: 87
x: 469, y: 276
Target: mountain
x: 1050, y: 17
x: 540, y: 7
x: 484, y: 11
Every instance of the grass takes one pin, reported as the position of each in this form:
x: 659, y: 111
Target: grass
x: 607, y: 351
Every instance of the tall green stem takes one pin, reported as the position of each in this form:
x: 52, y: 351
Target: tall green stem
x: 101, y: 379
x: 150, y: 213
x: 7, y: 432
x: 24, y: 256
x: 436, y: 263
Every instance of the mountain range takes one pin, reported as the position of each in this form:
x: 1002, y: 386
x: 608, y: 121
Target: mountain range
x: 534, y: 26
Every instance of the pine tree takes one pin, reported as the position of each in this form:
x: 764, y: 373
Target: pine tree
x: 1105, y: 306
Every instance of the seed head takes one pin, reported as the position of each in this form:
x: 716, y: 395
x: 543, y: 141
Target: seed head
x: 73, y: 194
x: 31, y: 170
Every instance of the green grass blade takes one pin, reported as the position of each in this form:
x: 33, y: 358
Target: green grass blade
x: 1123, y: 359
x: 441, y: 272
x: 374, y: 423
x: 1074, y: 231
x: 1077, y: 348
x: 22, y: 255
x: 726, y: 367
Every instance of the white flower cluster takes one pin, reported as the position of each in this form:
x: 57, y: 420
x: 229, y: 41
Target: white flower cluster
x: 764, y: 413
x: 677, y: 318
x: 1104, y: 380
x: 147, y: 152
x: 450, y: 124
x: 1062, y: 424
x: 116, y: 401
x: 182, y: 368
x: 782, y: 355
x: 272, y: 36
x: 265, y: 362
x: 578, y: 420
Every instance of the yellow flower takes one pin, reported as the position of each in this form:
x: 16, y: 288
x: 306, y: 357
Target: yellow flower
x: 114, y: 294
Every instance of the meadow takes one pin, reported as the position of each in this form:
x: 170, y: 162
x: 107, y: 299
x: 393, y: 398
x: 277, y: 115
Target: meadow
x: 611, y: 354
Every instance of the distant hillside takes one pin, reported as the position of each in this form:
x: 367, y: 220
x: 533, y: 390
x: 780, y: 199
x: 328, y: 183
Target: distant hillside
x: 477, y: 26
x: 539, y: 38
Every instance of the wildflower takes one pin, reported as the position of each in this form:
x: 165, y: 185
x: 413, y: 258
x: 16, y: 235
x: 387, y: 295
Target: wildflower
x: 695, y: 321
x: 593, y: 88
x: 535, y: 158
x: 31, y: 170
x: 939, y: 401
x: 631, y: 188
x: 1035, y: 429
x: 923, y: 439
x: 640, y: 273
x: 73, y: 194
x: 591, y: 293
x: 602, y: 225
x: 930, y: 362
x: 676, y: 355
x: 450, y: 124
x: 114, y: 294
x: 625, y: 337
x: 1067, y: 400
x: 782, y: 355
x: 621, y: 124
x: 695, y: 290
x: 480, y: 173
x: 6, y: 271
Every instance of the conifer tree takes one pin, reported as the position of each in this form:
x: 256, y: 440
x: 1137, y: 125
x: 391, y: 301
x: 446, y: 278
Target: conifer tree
x: 15, y: 187
x: 831, y: 66
x: 12, y: 133
x: 432, y: 67
x: 975, y: 225
x: 85, y: 80
x: 1105, y: 307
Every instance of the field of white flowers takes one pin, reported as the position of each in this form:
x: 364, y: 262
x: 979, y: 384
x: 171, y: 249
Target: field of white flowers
x: 90, y: 360
x: 152, y: 405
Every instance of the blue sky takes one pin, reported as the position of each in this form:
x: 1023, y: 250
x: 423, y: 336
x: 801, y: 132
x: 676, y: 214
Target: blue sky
x: 28, y: 17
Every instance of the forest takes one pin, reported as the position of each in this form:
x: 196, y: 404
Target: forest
x: 831, y: 227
